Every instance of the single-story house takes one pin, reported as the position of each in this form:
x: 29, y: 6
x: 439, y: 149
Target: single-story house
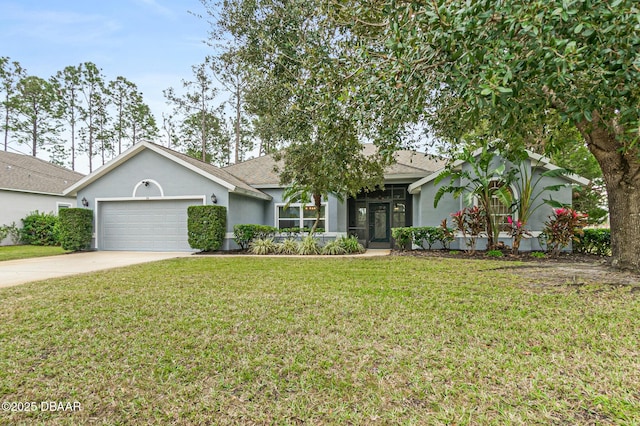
x: 140, y: 199
x: 28, y: 184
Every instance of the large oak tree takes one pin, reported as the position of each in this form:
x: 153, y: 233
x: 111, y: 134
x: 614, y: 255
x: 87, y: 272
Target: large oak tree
x: 511, y: 61
x: 454, y: 63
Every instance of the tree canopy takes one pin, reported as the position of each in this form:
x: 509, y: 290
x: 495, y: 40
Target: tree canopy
x: 448, y: 65
x: 74, y: 111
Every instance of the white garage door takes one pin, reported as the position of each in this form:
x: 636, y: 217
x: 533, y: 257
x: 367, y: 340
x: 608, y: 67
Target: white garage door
x: 145, y: 225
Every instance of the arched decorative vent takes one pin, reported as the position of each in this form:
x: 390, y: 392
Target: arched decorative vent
x: 148, y: 188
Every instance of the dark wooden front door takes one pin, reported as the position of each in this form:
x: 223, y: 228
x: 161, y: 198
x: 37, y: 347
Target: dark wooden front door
x: 379, y: 224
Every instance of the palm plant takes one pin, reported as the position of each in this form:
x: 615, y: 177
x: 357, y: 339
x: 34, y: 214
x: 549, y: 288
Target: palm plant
x: 528, y: 194
x: 482, y: 182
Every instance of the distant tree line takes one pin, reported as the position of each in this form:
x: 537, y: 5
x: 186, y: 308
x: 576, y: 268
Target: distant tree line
x: 76, y: 112
x: 79, y: 113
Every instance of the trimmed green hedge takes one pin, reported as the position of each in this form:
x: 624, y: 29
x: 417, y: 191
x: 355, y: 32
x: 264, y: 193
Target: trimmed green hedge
x: 40, y: 229
x: 76, y: 228
x: 402, y: 236
x: 206, y: 226
x: 244, y: 234
x: 593, y: 241
x: 420, y: 236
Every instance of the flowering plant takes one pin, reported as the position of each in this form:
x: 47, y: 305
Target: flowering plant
x: 470, y: 221
x: 517, y: 230
x: 563, y: 227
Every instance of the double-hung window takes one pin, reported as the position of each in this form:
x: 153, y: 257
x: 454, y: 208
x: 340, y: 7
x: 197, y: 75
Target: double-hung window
x: 499, y: 211
x: 300, y: 216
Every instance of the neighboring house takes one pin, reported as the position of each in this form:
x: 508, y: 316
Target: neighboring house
x: 28, y: 184
x: 140, y: 199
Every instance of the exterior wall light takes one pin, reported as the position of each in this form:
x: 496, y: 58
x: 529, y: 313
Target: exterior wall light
x: 85, y: 203
x: 214, y: 199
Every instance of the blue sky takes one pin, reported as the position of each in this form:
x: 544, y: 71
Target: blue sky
x: 152, y: 43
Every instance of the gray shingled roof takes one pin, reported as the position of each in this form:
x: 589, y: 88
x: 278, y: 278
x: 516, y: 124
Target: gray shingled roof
x: 21, y: 172
x: 257, y: 171
x: 409, y: 162
x: 260, y: 171
x: 212, y: 170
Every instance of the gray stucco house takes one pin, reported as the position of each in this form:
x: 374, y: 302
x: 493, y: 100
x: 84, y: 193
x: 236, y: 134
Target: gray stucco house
x: 28, y: 184
x: 140, y: 199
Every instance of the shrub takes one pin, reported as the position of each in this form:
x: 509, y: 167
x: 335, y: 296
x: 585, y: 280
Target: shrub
x: 309, y: 245
x: 351, y: 245
x: 244, y: 234
x: 470, y: 221
x: 516, y: 229
x: 427, y: 234
x: 76, y: 227
x: 594, y: 241
x: 15, y: 233
x: 287, y: 246
x: 206, y: 226
x: 262, y: 246
x: 402, y: 236
x: 40, y: 229
x: 538, y: 254
x: 562, y: 228
x: 4, y: 232
x: 333, y: 248
x: 446, y: 234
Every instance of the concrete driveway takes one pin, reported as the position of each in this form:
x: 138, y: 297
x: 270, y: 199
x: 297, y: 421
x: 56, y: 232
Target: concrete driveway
x: 14, y: 272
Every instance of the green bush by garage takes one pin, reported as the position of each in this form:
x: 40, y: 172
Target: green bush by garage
x: 207, y: 227
x: 76, y: 228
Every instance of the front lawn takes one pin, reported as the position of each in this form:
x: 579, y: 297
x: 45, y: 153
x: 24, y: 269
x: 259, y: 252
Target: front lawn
x: 27, y: 251
x: 392, y: 340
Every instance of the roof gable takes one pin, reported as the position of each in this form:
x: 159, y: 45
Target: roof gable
x: 25, y: 173
x: 209, y: 171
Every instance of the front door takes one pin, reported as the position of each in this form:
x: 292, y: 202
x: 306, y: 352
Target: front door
x: 379, y: 227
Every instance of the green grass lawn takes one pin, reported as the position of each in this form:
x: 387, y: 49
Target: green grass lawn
x: 25, y: 252
x: 392, y: 340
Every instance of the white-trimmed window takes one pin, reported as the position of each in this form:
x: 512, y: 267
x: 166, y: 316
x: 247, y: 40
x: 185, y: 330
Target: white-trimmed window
x: 499, y: 211
x: 300, y: 216
x: 61, y: 206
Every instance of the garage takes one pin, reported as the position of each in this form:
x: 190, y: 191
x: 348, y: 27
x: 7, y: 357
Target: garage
x: 144, y: 225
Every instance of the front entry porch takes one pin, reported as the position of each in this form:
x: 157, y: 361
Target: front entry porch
x: 371, y: 215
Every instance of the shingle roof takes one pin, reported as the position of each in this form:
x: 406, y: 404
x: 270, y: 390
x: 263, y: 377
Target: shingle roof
x: 260, y: 171
x: 257, y: 171
x: 21, y: 172
x: 409, y: 162
x: 213, y: 170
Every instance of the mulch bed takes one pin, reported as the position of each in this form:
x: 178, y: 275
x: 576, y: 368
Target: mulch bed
x: 507, y: 256
x: 567, y: 270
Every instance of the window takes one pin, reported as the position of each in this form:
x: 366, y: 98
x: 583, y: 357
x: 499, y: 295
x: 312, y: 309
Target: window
x: 500, y: 212
x: 300, y: 216
x: 399, y: 216
x: 63, y: 206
